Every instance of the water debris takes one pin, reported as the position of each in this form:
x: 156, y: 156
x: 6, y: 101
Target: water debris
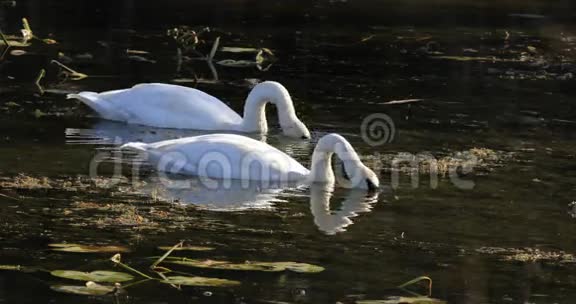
x: 38, y: 113
x: 9, y: 197
x: 416, y: 280
x: 367, y: 38
x: 188, y: 248
x: 572, y: 209
x: 78, y: 248
x: 262, y: 55
x: 38, y: 79
x: 237, y: 63
x: 199, y: 281
x: 245, y: 50
x: 18, y: 52
x: 214, y: 49
x: 101, y: 276
x: 403, y: 300
x: 27, y: 33
x: 26, y: 182
x: 90, y: 289
x: 403, y: 101
x: 186, y: 38
x: 477, y: 159
x: 141, y: 59
x: 248, y: 265
x: 470, y: 58
x: 72, y: 74
x: 527, y: 16
x: 136, y: 52
x: 529, y: 255
x: 239, y: 49
x: 7, y: 45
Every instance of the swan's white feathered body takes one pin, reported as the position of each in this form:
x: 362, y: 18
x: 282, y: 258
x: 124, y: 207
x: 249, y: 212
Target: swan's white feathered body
x: 172, y: 106
x: 223, y: 156
x: 231, y: 156
x: 163, y: 106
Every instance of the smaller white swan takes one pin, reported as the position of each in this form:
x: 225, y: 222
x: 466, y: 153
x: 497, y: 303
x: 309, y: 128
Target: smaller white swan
x: 230, y: 156
x: 172, y: 106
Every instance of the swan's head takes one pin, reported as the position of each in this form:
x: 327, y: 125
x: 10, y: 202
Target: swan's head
x: 358, y: 176
x: 352, y: 174
x: 296, y: 129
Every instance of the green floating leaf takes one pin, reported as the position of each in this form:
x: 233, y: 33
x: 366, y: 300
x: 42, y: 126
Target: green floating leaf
x: 403, y: 300
x: 79, y: 248
x: 200, y: 281
x: 96, y: 276
x: 14, y: 43
x: 187, y: 248
x: 11, y: 267
x: 91, y: 289
x: 248, y: 266
x: 239, y: 50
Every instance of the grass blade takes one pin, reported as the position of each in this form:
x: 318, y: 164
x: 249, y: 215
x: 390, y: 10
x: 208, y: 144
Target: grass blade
x: 162, y: 258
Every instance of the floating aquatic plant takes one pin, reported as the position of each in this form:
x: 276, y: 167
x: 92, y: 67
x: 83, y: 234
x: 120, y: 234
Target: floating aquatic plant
x: 90, y: 289
x: 188, y: 248
x: 248, y: 266
x: 416, y: 299
x: 11, y: 267
x: 199, y: 281
x: 101, y: 276
x: 79, y: 248
x: 403, y: 300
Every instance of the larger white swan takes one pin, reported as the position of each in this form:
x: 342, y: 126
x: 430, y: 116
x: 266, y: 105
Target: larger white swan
x: 173, y: 106
x: 230, y: 156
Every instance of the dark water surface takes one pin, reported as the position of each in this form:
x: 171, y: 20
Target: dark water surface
x: 496, y: 75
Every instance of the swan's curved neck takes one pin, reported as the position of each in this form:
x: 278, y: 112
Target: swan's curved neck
x: 321, y: 166
x: 254, y: 119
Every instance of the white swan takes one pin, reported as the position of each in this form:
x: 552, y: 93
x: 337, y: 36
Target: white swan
x: 230, y: 156
x: 173, y: 106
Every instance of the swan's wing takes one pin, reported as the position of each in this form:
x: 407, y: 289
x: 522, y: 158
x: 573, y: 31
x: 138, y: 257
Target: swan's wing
x: 168, y: 106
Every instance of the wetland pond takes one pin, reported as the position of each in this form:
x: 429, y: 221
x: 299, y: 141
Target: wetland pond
x: 485, y: 91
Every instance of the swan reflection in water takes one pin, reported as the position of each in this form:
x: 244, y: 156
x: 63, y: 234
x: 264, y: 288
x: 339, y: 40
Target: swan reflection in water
x: 332, y: 221
x: 215, y: 195
x: 106, y: 133
x: 240, y: 195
